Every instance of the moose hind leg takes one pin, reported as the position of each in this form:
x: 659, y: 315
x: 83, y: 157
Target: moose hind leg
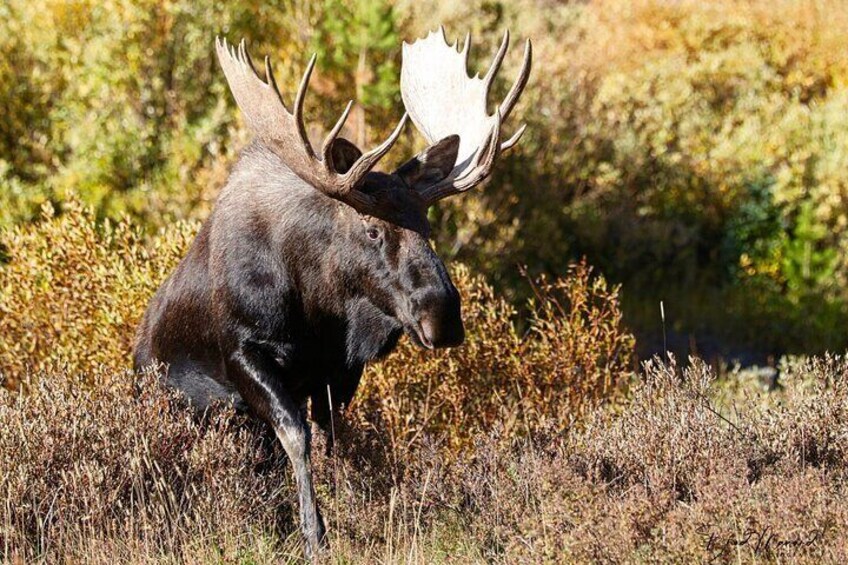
x: 196, y: 382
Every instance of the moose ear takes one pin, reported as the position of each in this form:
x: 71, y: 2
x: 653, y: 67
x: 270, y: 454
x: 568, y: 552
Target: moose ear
x: 431, y: 165
x: 343, y: 154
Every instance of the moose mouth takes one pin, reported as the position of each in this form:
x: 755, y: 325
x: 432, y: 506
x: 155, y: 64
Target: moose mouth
x: 419, y: 337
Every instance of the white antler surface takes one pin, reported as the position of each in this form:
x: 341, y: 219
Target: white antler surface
x: 442, y: 100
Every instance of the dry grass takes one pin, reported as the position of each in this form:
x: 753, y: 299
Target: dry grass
x: 126, y: 469
x: 689, y: 469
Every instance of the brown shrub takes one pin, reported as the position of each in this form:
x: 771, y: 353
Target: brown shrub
x: 126, y: 465
x: 673, y: 475
x: 73, y: 294
x: 690, y: 478
x: 573, y: 355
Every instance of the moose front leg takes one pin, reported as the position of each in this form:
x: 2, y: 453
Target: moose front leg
x: 293, y: 432
x: 257, y: 378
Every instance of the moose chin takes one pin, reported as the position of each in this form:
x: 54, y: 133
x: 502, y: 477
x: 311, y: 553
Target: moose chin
x: 312, y: 264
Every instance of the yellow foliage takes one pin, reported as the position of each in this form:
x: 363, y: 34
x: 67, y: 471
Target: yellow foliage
x: 573, y: 355
x: 73, y: 292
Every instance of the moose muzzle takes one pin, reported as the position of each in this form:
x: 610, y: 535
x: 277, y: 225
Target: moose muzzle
x: 440, y: 319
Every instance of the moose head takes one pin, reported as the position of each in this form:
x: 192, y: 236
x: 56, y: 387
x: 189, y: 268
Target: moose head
x: 385, y: 225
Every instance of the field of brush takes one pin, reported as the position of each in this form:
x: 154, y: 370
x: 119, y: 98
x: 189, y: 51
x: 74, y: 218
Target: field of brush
x: 691, y: 152
x: 541, y: 445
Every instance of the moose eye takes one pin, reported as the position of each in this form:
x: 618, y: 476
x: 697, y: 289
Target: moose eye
x: 373, y: 234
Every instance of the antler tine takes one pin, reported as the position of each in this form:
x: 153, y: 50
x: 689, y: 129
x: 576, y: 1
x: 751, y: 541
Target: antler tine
x: 466, y: 47
x: 269, y: 78
x: 298, y: 105
x: 366, y: 161
x: 509, y: 143
x: 244, y: 57
x: 520, y: 82
x: 334, y: 133
x: 496, y: 63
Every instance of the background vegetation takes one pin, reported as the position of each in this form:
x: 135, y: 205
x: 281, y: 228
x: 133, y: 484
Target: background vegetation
x: 692, y: 152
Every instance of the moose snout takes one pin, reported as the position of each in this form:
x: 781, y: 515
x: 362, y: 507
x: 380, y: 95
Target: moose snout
x: 440, y: 319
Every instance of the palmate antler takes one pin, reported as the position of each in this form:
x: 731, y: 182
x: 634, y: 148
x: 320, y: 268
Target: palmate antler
x: 285, y: 133
x: 443, y: 100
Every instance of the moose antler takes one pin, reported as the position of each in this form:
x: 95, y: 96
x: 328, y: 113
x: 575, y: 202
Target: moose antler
x: 285, y: 133
x: 443, y: 100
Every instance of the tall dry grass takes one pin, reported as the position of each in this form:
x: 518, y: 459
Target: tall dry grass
x: 690, y: 469
x: 124, y: 469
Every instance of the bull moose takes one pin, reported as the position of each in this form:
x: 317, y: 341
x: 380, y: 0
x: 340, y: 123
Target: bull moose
x: 312, y: 264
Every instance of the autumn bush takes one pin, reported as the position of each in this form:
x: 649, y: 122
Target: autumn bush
x: 693, y: 151
x: 121, y: 103
x: 572, y: 355
x: 73, y: 291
